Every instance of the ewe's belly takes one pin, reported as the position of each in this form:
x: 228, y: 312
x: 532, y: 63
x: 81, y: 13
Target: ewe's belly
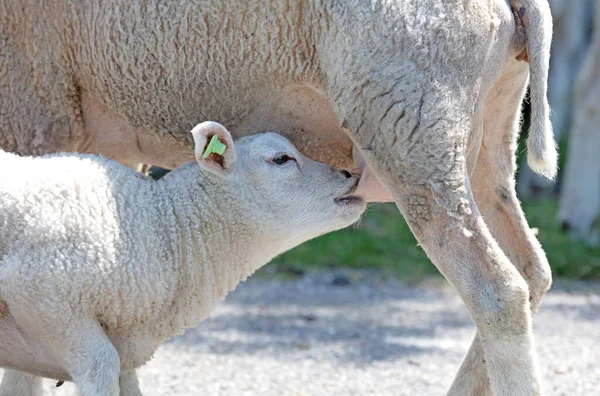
x: 238, y: 76
x: 298, y: 112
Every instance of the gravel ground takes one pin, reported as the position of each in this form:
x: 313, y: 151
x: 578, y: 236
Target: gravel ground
x: 355, y: 334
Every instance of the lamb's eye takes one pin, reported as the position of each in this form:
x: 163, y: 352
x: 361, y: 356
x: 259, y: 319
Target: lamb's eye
x: 282, y: 159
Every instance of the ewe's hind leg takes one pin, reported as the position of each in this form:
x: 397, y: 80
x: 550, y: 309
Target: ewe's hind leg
x: 493, y: 183
x: 495, y: 294
x: 494, y: 190
x: 15, y: 383
x: 461, y: 246
x: 424, y: 168
x: 472, y: 378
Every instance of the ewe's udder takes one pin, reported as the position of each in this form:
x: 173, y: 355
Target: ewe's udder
x: 369, y: 187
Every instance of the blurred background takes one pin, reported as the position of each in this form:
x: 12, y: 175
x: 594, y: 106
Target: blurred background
x: 565, y: 212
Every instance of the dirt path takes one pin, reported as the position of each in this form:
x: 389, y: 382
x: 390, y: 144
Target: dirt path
x: 369, y: 337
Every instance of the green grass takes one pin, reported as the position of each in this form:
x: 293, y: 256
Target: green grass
x: 567, y: 258
x: 383, y: 242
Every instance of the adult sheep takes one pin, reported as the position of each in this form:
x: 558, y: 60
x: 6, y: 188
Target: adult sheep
x: 427, y: 92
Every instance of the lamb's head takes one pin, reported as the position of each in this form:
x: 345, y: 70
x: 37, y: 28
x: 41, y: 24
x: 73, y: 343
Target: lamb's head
x: 292, y: 197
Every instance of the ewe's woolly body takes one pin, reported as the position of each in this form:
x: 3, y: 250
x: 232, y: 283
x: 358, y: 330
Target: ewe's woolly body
x: 120, y: 245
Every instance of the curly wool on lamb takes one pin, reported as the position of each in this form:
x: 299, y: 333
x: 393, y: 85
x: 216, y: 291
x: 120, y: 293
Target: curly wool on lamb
x: 131, y: 261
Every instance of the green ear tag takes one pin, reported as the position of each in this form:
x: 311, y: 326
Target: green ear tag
x: 214, y: 146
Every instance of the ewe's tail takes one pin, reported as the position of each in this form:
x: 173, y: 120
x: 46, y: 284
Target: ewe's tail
x: 542, y: 156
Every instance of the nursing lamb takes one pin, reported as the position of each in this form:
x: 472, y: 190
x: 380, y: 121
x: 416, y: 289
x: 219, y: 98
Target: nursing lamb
x: 99, y: 265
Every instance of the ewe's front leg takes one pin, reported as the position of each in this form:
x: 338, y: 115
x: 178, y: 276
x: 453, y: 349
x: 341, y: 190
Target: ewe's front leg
x: 16, y: 383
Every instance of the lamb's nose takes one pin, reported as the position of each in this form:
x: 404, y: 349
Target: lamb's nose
x: 346, y: 174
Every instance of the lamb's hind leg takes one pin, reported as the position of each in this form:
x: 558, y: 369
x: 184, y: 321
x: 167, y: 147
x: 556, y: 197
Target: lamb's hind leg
x: 15, y: 383
x: 84, y: 352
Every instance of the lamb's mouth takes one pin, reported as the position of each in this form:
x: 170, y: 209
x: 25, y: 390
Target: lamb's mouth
x: 348, y: 198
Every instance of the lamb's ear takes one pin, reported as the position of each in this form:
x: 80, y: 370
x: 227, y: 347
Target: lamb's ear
x: 217, y: 161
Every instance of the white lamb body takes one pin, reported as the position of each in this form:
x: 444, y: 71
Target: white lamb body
x: 76, y: 230
x: 89, y: 247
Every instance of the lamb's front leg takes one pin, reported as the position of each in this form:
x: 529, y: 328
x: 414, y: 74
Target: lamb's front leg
x: 92, y: 360
x: 129, y: 384
x: 16, y: 383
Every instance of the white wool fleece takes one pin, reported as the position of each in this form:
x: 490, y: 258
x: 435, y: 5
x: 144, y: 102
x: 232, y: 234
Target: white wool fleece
x: 90, y: 247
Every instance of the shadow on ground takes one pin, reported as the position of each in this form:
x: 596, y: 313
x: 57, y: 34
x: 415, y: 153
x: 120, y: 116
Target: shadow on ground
x: 359, y: 324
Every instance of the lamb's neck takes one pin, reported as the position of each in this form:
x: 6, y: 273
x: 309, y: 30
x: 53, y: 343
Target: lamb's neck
x: 213, y: 240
